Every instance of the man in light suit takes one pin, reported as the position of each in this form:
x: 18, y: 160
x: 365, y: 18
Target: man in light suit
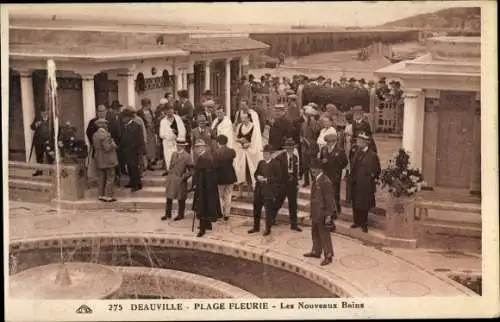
x: 322, y: 207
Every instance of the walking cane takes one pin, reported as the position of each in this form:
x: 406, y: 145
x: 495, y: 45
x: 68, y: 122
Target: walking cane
x: 31, y: 150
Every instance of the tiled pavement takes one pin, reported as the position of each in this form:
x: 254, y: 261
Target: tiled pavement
x: 358, y: 270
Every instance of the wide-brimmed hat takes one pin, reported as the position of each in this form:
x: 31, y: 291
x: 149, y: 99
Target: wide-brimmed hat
x: 308, y: 109
x: 222, y: 139
x: 181, y: 142
x: 115, y: 104
x: 316, y: 164
x: 364, y: 136
x: 279, y: 107
x: 201, y: 119
x: 208, y: 103
x: 330, y: 137
x: 200, y: 142
x: 289, y: 143
x: 357, y: 108
x: 101, y: 122
x: 268, y: 148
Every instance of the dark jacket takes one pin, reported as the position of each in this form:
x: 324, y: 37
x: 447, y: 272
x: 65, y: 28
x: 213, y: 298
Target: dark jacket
x: 272, y: 172
x: 334, y: 162
x: 223, y: 158
x: 132, y: 140
x: 114, y: 124
x: 322, y: 199
x: 43, y: 132
x: 186, y: 112
x: 365, y: 168
x: 206, y: 202
x: 91, y: 129
x: 279, y: 131
x: 288, y: 178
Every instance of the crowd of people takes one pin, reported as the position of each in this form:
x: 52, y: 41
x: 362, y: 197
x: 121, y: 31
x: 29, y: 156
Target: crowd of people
x: 202, y: 149
x: 268, y: 84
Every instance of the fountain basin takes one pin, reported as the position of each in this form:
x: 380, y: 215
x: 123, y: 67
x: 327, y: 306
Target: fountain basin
x: 276, y: 276
x: 86, y: 281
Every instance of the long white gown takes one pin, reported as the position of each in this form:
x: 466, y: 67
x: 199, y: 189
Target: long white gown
x: 250, y: 156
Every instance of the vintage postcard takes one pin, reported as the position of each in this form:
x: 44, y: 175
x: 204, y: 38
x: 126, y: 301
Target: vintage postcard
x: 248, y: 161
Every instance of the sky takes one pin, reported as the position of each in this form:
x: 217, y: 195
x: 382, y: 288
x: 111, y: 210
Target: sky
x: 359, y: 13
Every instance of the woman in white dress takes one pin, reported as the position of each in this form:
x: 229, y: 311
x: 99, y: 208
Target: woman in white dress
x: 248, y: 147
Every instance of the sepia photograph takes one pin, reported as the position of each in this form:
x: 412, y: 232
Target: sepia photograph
x: 289, y: 160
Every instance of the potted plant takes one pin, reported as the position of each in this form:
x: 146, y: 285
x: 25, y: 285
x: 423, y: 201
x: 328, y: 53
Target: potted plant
x: 402, y: 183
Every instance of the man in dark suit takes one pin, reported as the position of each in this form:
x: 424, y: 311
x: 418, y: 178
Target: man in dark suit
x: 113, y: 116
x: 334, y: 160
x: 267, y: 176
x: 206, y: 203
x: 361, y: 125
x: 226, y: 176
x: 280, y: 129
x: 185, y: 110
x: 322, y: 206
x: 133, y: 147
x: 289, y: 182
x: 42, y: 139
x: 365, y: 168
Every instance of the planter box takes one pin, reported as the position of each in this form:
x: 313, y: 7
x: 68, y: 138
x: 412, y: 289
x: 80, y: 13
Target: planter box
x: 400, y: 217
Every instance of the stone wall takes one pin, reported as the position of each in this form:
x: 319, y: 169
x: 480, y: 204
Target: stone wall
x: 303, y: 44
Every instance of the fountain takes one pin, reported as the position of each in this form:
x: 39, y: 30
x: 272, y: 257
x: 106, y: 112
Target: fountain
x: 64, y: 280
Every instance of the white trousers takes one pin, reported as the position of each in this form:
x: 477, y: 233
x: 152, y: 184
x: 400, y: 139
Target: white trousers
x: 225, y: 196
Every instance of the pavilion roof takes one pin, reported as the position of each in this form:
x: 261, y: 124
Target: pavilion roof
x: 92, y: 51
x: 221, y: 44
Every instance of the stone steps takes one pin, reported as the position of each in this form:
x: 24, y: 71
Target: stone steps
x: 374, y: 235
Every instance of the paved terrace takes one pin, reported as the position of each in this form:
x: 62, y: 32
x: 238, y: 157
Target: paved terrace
x: 358, y: 270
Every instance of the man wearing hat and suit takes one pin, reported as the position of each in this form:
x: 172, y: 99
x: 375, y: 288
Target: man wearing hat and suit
x: 105, y: 160
x: 202, y: 132
x: 133, y: 147
x: 185, y: 110
x: 206, y: 202
x: 207, y: 109
x: 309, y: 131
x: 171, y: 128
x: 322, y: 206
x: 360, y: 124
x: 334, y: 160
x: 268, y: 176
x: 91, y: 127
x: 176, y: 186
x: 365, y: 168
x: 327, y: 128
x: 147, y: 117
x: 42, y: 138
x: 280, y: 129
x: 226, y: 176
x: 289, y: 182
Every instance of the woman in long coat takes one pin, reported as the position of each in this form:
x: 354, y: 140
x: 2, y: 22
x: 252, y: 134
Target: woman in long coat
x: 176, y: 186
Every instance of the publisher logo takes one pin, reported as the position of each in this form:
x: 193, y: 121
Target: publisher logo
x: 84, y: 309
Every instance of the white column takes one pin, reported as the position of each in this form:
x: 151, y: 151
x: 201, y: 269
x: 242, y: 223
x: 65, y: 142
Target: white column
x: 184, y: 79
x: 190, y: 87
x: 178, y: 79
x: 228, y: 87
x: 130, y: 90
x: 245, y: 61
x: 207, y: 74
x: 28, y: 108
x: 413, y: 126
x: 89, y: 112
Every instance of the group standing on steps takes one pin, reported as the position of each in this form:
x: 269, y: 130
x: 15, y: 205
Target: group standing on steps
x: 205, y: 151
